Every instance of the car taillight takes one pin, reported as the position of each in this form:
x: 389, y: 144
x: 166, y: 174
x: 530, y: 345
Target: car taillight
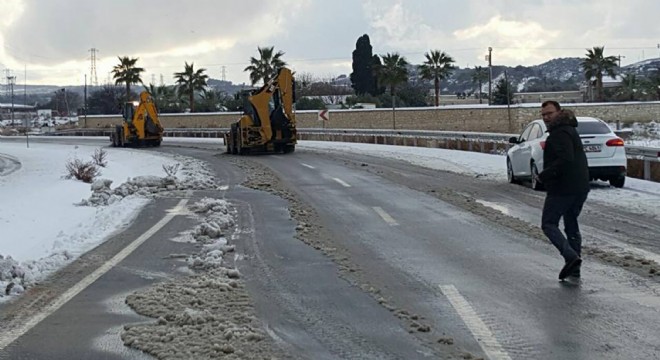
x: 542, y: 145
x: 614, y: 142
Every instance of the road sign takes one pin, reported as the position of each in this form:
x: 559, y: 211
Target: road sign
x: 324, y: 115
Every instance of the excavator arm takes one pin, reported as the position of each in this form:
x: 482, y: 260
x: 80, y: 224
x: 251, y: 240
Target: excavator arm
x: 147, y: 107
x: 277, y: 95
x: 268, y: 123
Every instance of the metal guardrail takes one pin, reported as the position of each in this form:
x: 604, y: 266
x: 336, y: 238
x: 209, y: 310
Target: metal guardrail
x: 413, y: 133
x: 643, y: 152
x: 646, y: 154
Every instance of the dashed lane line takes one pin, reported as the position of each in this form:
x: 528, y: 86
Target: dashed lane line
x: 342, y: 182
x: 307, y: 166
x: 477, y: 327
x: 383, y: 214
x: 10, y: 336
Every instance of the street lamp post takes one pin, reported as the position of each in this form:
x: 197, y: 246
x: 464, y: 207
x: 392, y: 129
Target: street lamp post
x: 490, y: 75
x: 619, y: 59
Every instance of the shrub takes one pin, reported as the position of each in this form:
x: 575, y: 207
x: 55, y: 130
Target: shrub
x: 171, y: 170
x: 99, y: 158
x: 85, y: 171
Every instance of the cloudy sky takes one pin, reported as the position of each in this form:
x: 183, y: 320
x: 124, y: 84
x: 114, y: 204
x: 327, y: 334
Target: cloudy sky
x: 49, y: 42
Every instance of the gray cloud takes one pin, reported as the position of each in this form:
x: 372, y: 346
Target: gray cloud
x: 52, y: 38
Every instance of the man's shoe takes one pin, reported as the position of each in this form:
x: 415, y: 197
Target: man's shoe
x: 575, y: 273
x: 569, y: 267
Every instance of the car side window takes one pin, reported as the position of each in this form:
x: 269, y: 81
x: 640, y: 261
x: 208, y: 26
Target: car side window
x: 535, y: 133
x: 525, y: 134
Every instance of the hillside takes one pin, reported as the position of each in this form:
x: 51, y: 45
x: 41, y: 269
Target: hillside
x: 562, y: 74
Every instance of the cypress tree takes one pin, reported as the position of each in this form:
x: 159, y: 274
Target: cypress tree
x: 362, y: 78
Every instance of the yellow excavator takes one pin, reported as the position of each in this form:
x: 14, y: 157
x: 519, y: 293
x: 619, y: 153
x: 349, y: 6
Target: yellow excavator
x: 141, y: 126
x: 268, y: 123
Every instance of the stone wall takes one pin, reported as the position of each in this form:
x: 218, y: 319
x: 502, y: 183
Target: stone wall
x: 479, y: 118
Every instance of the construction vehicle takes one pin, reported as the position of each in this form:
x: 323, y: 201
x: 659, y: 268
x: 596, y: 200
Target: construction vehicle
x: 141, y: 126
x: 268, y: 123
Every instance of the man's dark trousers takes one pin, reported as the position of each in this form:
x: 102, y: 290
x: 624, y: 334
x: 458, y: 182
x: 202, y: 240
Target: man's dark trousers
x: 568, y: 207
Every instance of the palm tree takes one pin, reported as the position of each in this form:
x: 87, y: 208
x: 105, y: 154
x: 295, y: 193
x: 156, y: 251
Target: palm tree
x: 479, y: 75
x: 211, y: 100
x: 652, y: 85
x: 127, y: 73
x: 630, y: 87
x: 266, y: 66
x: 391, y: 73
x: 189, y: 81
x: 438, y: 66
x: 164, y: 97
x: 595, y: 64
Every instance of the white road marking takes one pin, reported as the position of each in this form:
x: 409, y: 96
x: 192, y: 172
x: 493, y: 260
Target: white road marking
x: 479, y: 330
x: 307, y: 166
x: 388, y: 219
x: 342, y: 182
x: 10, y: 336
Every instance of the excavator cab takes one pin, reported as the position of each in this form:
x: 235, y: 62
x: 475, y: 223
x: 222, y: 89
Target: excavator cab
x: 129, y: 111
x: 141, y: 125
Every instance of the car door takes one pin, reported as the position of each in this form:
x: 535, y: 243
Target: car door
x: 518, y: 161
x: 536, y: 137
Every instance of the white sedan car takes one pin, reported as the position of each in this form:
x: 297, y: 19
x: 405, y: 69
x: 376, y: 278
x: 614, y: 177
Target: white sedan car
x: 605, y: 152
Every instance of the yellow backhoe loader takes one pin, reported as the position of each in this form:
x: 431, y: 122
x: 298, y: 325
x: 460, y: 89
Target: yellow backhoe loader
x: 141, y: 126
x: 268, y: 123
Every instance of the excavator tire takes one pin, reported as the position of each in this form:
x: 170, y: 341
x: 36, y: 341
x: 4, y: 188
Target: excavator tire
x: 289, y: 149
x: 120, y: 141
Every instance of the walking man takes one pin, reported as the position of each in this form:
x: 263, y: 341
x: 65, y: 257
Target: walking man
x: 565, y: 176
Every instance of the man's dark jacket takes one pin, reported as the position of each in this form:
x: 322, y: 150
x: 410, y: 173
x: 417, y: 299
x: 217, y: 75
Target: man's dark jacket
x: 565, y: 168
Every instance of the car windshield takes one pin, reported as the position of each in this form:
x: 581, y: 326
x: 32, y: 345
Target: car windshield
x: 592, y: 127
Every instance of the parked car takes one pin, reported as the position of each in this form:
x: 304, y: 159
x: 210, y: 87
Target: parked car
x: 605, y: 152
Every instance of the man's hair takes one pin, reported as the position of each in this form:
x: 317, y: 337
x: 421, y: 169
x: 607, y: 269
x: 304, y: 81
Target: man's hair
x: 551, y: 102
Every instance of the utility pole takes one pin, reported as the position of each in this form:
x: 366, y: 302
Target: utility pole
x: 85, y: 106
x: 10, y: 82
x: 66, y: 102
x: 619, y: 59
x: 490, y: 75
x: 508, y: 99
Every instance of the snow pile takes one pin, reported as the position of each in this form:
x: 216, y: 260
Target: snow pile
x: 195, y: 177
x: 204, y: 316
x: 10, y: 270
x: 216, y: 220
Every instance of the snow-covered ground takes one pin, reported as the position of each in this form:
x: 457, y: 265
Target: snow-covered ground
x: 48, y: 220
x: 44, y: 227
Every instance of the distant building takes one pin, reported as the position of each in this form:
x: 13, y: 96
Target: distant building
x: 539, y: 97
x: 21, y: 112
x: 589, y: 91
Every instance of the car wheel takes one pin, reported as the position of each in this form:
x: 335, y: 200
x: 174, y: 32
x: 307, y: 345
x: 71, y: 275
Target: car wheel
x: 618, y: 182
x: 536, y: 185
x: 509, y: 173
